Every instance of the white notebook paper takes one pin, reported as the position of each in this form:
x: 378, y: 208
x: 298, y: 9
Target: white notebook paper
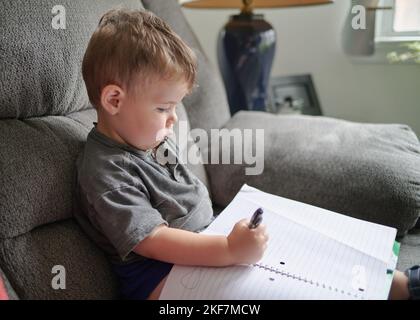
x: 312, y: 254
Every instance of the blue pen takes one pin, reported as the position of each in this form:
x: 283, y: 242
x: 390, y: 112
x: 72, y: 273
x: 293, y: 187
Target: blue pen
x: 256, y: 219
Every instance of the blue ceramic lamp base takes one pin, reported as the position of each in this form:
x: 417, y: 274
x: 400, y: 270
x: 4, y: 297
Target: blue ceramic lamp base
x: 245, y: 50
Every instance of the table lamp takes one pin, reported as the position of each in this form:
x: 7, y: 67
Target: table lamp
x: 245, y: 49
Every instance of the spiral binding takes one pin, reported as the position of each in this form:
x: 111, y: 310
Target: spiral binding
x: 306, y: 280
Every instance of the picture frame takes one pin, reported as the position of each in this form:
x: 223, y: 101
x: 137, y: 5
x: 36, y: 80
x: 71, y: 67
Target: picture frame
x: 293, y: 94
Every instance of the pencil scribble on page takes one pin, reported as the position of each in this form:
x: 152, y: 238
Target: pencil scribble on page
x: 191, y: 280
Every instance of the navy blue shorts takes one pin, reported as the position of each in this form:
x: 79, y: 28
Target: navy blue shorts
x: 138, y: 279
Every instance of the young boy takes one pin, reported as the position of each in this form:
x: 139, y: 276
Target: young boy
x: 143, y: 214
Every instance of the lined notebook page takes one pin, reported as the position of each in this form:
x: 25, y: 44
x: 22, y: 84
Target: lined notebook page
x: 337, y: 226
x: 299, y: 263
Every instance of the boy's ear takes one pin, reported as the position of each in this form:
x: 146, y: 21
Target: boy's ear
x: 111, y: 98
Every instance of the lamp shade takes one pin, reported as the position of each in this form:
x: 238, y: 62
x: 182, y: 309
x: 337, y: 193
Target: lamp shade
x: 233, y: 4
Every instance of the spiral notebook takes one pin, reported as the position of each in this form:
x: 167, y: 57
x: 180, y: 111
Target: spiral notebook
x: 312, y: 253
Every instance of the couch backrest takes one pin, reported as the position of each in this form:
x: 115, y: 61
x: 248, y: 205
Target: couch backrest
x: 45, y: 117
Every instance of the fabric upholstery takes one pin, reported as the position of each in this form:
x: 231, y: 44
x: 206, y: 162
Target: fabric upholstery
x: 37, y: 158
x: 368, y: 171
x: 41, y: 66
x: 29, y: 259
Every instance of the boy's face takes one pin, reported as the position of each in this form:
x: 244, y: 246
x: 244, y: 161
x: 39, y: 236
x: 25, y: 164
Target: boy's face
x: 146, y: 117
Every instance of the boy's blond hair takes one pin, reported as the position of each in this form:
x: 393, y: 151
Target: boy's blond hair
x: 129, y: 46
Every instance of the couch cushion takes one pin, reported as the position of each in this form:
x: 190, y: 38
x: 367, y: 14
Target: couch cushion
x: 37, y: 158
x: 41, y: 66
x: 28, y: 260
x: 368, y: 171
x: 207, y: 106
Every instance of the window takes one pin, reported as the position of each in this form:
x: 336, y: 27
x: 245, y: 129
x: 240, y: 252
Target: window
x: 399, y: 24
x: 407, y: 16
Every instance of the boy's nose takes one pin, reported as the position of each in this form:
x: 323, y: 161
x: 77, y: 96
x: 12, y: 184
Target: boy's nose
x: 173, y: 117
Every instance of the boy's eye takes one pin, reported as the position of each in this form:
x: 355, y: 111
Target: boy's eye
x: 167, y: 108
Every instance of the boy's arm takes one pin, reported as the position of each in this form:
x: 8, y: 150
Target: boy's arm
x: 242, y: 245
x: 184, y: 247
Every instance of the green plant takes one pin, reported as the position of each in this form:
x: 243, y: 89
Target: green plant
x: 412, y: 55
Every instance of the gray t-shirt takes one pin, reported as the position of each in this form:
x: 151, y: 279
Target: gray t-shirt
x: 123, y: 193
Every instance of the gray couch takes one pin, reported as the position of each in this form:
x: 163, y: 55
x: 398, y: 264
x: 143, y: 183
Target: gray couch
x: 369, y: 171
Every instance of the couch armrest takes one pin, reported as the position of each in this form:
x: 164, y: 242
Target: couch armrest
x: 368, y: 171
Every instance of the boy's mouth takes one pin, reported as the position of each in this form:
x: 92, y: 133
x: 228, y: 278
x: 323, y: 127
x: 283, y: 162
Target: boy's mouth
x: 169, y: 132
x: 162, y: 133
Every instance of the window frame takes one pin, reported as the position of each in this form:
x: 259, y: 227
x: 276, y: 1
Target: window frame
x: 386, y: 43
x: 384, y: 26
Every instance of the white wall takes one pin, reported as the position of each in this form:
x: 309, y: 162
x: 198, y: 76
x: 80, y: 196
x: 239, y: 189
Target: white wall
x: 309, y: 41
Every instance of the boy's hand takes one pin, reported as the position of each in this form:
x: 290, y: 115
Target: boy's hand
x: 247, y: 245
